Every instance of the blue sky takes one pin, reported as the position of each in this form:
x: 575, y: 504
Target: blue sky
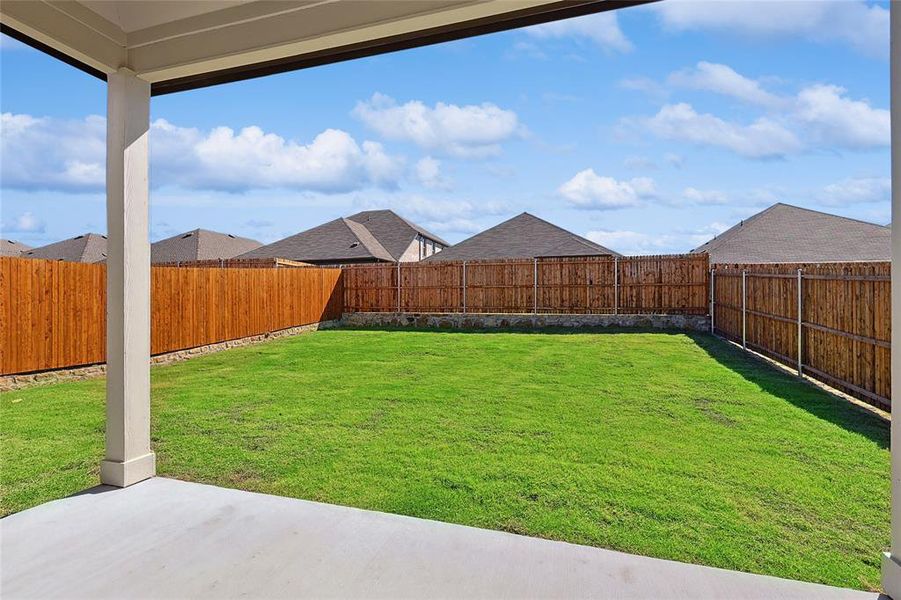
x: 647, y: 130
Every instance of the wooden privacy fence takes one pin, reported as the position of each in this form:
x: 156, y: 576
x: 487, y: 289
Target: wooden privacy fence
x: 53, y: 314
x: 830, y: 321
x: 676, y: 284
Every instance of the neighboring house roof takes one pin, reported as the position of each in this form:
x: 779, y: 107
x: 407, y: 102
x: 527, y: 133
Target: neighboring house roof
x: 523, y: 236
x: 338, y: 240
x: 393, y: 231
x: 200, y: 244
x: 86, y: 248
x: 12, y: 248
x: 786, y: 233
x: 380, y: 235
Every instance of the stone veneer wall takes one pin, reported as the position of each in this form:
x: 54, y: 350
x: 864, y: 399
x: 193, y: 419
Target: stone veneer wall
x: 524, y: 321
x: 12, y: 382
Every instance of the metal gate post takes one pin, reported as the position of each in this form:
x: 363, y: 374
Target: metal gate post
x: 744, y: 311
x: 615, y: 285
x: 800, y: 326
x: 464, y: 287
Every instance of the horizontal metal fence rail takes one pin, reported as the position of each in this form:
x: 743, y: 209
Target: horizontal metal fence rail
x: 675, y: 284
x: 830, y: 321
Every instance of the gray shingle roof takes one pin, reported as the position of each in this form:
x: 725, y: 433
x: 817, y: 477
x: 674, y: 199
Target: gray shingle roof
x: 380, y: 235
x: 200, y: 244
x: 523, y: 236
x: 87, y: 248
x: 12, y: 247
x: 393, y: 231
x: 786, y: 233
x: 338, y: 240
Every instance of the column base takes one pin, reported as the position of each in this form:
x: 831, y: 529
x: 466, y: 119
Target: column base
x: 891, y: 575
x: 124, y: 474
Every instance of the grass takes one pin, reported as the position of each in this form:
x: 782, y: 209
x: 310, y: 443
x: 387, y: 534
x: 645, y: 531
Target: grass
x: 669, y: 445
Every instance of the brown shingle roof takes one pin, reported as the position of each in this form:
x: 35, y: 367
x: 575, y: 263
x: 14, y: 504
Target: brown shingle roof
x: 87, y: 248
x: 786, y: 233
x: 200, y: 244
x: 371, y: 235
x: 523, y: 236
x: 12, y: 248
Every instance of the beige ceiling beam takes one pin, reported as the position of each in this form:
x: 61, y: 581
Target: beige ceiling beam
x: 69, y: 29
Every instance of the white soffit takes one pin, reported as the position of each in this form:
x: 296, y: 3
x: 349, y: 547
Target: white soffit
x: 163, y: 40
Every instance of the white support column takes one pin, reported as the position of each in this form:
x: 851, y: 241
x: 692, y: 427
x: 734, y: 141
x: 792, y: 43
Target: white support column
x: 128, y: 455
x: 891, y: 564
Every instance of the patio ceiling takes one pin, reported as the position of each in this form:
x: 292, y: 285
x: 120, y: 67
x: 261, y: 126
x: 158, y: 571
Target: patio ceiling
x: 195, y: 43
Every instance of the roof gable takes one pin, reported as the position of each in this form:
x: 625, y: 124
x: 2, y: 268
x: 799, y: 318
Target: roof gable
x: 523, y: 236
x: 335, y: 240
x: 200, y: 244
x: 786, y: 233
x: 12, y: 247
x: 393, y: 231
x: 87, y: 248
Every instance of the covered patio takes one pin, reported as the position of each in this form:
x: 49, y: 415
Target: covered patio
x: 164, y: 538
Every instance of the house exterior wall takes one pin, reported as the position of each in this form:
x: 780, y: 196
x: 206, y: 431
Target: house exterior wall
x: 420, y: 248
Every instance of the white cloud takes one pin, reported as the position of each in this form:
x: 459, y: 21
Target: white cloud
x: 470, y: 131
x: 601, y: 29
x: 722, y: 79
x: 704, y: 197
x: 764, y: 138
x: 636, y: 242
x: 24, y: 223
x: 836, y: 119
x: 856, y: 191
x: 589, y: 190
x: 819, y: 114
x: 46, y: 153
x: 862, y: 26
x: 645, y: 85
x: 674, y: 160
x: 428, y: 173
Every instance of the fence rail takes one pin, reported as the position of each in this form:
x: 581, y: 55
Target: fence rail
x: 831, y: 321
x: 53, y: 314
x: 676, y: 284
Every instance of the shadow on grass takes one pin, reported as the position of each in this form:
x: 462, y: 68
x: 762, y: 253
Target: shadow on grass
x: 524, y: 330
x: 769, y: 378
x: 796, y: 391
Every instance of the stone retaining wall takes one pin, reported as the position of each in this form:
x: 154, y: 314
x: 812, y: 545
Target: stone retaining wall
x: 12, y: 382
x: 524, y: 321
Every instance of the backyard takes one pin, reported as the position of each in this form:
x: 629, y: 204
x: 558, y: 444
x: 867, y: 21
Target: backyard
x: 670, y: 445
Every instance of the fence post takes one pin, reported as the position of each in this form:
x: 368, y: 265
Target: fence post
x: 615, y: 285
x: 535, y: 286
x: 744, y: 311
x: 800, y: 326
x: 464, y: 287
x: 398, y: 287
x: 712, y: 300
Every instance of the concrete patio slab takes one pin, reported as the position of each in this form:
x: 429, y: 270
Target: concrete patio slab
x: 171, y: 539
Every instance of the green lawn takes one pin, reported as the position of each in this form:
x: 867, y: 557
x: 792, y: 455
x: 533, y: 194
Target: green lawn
x: 668, y: 445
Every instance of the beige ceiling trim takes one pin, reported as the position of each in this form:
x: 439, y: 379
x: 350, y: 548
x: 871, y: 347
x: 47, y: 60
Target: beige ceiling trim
x: 302, y: 32
x: 57, y: 29
x: 90, y: 19
x: 228, y: 17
